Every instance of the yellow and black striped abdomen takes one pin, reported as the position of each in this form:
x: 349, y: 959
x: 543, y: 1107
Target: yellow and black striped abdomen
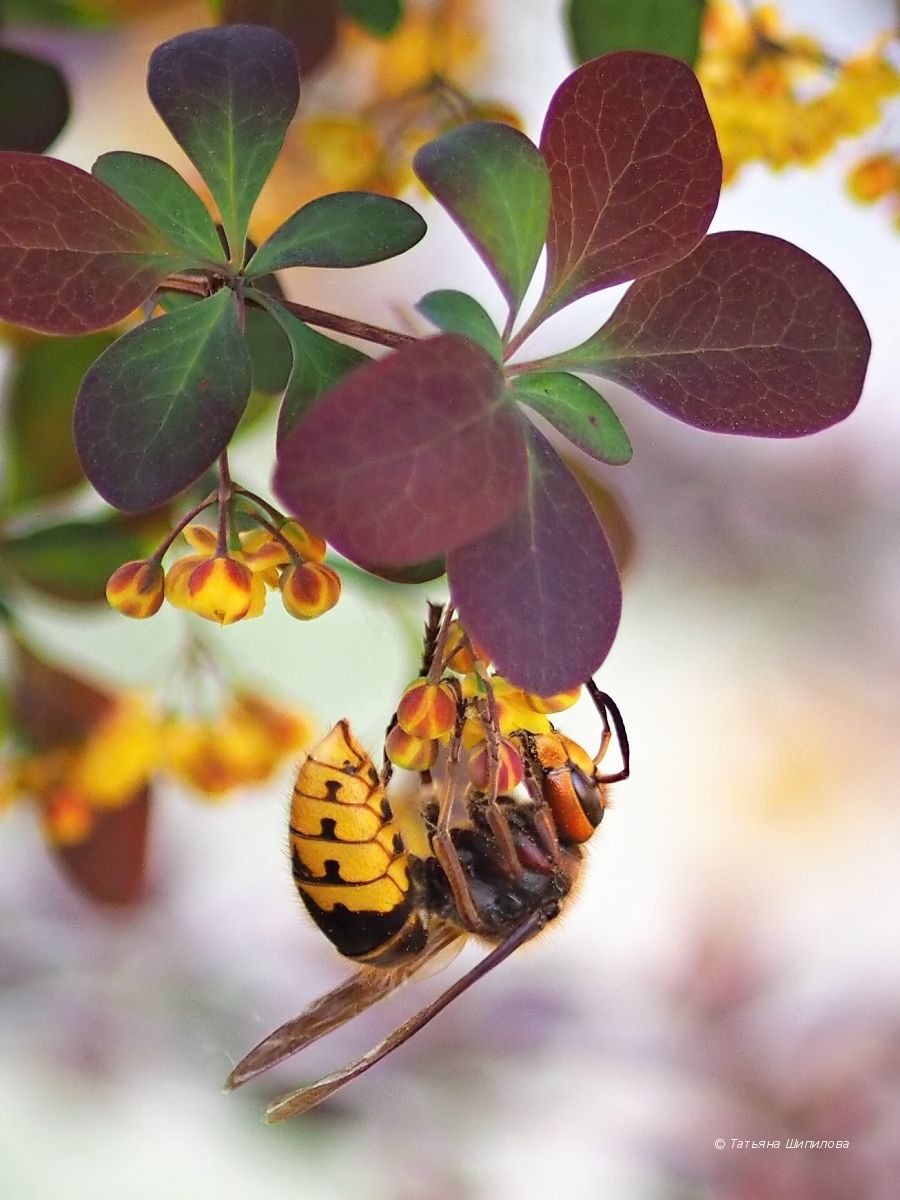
x: 349, y: 862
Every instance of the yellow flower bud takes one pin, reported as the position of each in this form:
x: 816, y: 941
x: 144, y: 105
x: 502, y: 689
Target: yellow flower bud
x: 427, y: 710
x: 510, y: 769
x: 307, y: 544
x: 202, y: 538
x: 221, y: 589
x: 263, y: 554
x: 873, y: 178
x: 514, y: 710
x: 309, y: 589
x: 460, y: 657
x: 177, y: 577
x: 553, y: 704
x: 411, y: 753
x: 136, y: 589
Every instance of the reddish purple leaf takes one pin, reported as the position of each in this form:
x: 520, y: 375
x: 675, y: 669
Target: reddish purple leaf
x: 748, y: 335
x: 409, y: 456
x: 109, y: 865
x: 73, y: 255
x: 635, y: 172
x: 541, y: 593
x: 49, y: 706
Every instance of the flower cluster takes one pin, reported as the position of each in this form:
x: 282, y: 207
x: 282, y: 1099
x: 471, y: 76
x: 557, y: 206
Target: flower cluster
x: 72, y: 785
x: 230, y: 585
x: 469, y: 702
x: 243, y: 745
x: 781, y: 100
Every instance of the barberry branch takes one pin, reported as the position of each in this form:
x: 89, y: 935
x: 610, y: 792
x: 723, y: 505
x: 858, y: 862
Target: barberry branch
x: 194, y: 285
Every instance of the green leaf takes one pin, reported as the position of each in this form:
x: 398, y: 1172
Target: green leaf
x: 380, y: 17
x: 270, y: 352
x: 72, y: 560
x: 267, y: 345
x: 227, y: 96
x: 259, y: 408
x: 40, y: 453
x: 158, y: 192
x: 161, y: 404
x: 662, y: 26
x: 53, y: 12
x: 318, y: 363
x: 577, y: 412
x: 457, y: 312
x: 494, y: 183
x: 34, y: 102
x: 346, y: 229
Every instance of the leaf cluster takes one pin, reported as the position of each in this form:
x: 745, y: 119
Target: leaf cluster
x: 435, y: 457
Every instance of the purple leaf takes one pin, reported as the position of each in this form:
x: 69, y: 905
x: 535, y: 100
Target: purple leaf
x: 109, y: 866
x: 748, y: 335
x: 409, y: 456
x: 541, y: 592
x: 73, y: 255
x: 635, y: 172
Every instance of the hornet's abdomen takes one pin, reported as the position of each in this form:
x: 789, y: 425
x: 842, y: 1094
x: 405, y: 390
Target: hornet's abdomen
x: 349, y: 862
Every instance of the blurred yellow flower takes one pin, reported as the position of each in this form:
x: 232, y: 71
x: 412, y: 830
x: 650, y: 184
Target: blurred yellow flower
x: 874, y: 178
x: 395, y: 94
x: 120, y: 755
x: 778, y: 99
x: 243, y: 745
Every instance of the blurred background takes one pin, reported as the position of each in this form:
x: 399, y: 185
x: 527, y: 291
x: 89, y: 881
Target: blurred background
x: 729, y: 969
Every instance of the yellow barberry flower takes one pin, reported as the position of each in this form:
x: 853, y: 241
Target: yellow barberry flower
x: 177, y: 577
x: 308, y: 545
x: 778, y: 99
x: 553, y: 704
x: 309, y: 589
x: 345, y: 150
x: 137, y: 589
x: 514, y: 711
x: 263, y: 554
x: 121, y: 753
x: 510, y: 768
x: 288, y: 730
x: 873, y: 178
x: 224, y: 590
x: 411, y: 753
x: 427, y: 710
x: 201, y: 538
x: 242, y: 746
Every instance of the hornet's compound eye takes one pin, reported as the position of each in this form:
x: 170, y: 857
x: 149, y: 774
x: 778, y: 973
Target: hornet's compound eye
x: 590, y: 796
